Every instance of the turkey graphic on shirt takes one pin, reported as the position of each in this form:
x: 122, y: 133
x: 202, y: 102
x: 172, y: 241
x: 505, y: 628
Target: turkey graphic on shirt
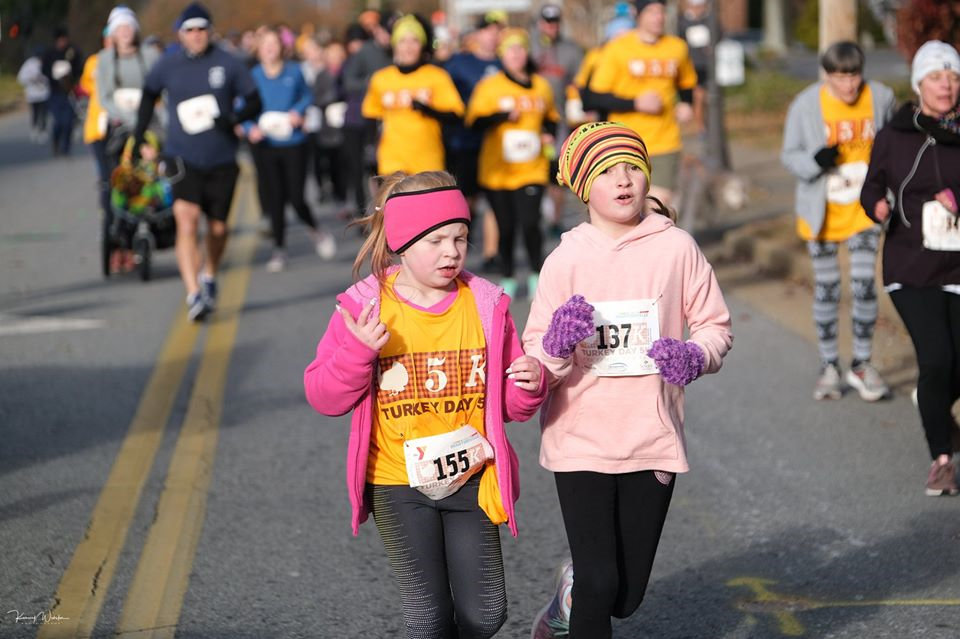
x: 394, y: 380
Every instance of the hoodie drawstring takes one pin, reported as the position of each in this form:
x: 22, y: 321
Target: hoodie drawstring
x: 926, y: 144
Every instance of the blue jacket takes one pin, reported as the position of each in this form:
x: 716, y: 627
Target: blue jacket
x: 286, y: 92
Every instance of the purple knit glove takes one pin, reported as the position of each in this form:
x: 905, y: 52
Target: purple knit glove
x: 571, y: 324
x: 679, y: 362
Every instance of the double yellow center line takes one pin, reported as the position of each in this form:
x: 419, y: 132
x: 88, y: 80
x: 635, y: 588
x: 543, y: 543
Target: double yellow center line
x: 153, y: 602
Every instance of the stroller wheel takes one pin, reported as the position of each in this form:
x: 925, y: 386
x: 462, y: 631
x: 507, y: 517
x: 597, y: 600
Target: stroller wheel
x: 107, y: 248
x: 141, y: 251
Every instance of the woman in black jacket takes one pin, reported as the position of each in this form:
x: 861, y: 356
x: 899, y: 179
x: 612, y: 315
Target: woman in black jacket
x: 916, y: 158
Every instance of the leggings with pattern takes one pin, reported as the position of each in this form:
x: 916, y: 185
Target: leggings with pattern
x: 446, y: 558
x: 826, y: 294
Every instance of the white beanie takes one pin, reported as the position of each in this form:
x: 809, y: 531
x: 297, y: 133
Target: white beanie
x: 119, y: 16
x: 933, y: 56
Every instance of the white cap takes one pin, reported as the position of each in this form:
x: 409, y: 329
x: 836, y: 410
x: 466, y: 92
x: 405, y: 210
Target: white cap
x: 119, y: 16
x: 933, y: 56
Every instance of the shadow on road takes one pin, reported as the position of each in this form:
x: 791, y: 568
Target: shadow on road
x: 814, y: 582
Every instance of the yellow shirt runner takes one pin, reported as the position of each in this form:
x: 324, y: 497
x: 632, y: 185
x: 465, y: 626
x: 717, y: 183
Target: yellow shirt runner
x: 851, y: 126
x: 629, y: 67
x: 410, y: 141
x: 511, y: 156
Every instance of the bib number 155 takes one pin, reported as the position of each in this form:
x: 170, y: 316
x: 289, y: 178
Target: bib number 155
x: 452, y: 464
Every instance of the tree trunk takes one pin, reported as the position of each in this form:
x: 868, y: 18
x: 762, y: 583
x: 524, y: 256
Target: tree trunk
x: 774, y: 27
x: 838, y: 21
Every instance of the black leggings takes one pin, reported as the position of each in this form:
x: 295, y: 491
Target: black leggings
x: 445, y: 556
x: 38, y: 115
x: 613, y: 527
x: 328, y: 167
x: 281, y: 178
x: 932, y: 317
x: 522, y: 207
x: 355, y: 172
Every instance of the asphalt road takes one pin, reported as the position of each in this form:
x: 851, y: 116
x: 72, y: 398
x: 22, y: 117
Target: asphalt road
x: 161, y: 479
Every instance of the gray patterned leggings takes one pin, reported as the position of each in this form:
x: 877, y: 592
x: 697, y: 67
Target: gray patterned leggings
x: 826, y: 293
x: 446, y: 558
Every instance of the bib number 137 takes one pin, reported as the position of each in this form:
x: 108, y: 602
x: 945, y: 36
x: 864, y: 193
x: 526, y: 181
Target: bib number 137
x: 611, y: 335
x: 452, y: 464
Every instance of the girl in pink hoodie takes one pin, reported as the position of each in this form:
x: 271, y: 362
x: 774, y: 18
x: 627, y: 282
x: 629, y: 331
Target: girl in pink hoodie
x: 607, y: 321
x: 428, y: 359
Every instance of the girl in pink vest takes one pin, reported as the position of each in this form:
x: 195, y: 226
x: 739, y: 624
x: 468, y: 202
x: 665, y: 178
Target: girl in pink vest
x: 428, y: 359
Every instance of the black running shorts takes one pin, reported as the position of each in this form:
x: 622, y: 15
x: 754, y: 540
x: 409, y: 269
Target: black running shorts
x: 211, y: 189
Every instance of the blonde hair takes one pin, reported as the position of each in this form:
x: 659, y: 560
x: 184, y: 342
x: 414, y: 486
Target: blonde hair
x: 375, y: 246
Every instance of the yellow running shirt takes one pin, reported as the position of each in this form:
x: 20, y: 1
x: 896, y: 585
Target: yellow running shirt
x: 587, y: 67
x: 629, y: 67
x: 511, y: 156
x: 94, y: 125
x: 432, y: 380
x: 411, y: 141
x: 852, y: 127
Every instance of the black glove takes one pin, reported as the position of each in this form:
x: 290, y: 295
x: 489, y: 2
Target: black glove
x: 226, y: 121
x: 827, y: 156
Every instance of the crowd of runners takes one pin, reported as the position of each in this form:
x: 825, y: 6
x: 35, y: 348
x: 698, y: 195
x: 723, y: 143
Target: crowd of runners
x: 427, y: 140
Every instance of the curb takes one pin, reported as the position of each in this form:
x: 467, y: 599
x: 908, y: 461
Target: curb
x: 771, y: 246
x: 10, y: 106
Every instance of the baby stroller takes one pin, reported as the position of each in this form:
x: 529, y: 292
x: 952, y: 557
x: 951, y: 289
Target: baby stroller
x: 142, y: 204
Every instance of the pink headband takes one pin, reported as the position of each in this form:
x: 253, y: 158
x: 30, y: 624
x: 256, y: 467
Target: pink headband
x: 407, y: 217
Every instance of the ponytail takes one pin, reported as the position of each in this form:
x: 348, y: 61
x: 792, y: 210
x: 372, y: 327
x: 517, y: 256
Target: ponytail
x: 662, y: 209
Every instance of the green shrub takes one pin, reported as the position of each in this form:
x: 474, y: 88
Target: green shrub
x: 764, y: 90
x: 10, y: 91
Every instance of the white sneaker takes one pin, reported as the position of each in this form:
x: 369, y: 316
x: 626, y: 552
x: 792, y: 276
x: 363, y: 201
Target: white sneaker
x: 325, y: 245
x: 277, y: 262
x: 866, y: 380
x: 828, y: 384
x: 553, y: 620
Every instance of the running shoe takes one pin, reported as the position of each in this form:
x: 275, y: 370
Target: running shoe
x: 509, y: 285
x: 532, y: 281
x: 942, y: 479
x: 116, y: 261
x: 554, y: 619
x: 277, y: 262
x: 208, y: 288
x: 197, y: 307
x: 866, y: 380
x: 828, y: 384
x: 325, y: 245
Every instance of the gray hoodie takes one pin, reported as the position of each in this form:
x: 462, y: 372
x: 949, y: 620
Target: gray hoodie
x: 126, y: 72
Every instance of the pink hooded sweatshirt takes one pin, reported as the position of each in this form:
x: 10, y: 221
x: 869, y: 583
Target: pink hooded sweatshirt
x: 624, y: 424
x: 342, y: 378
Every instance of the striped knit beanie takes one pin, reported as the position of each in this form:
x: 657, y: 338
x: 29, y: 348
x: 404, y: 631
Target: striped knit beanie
x: 595, y: 147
